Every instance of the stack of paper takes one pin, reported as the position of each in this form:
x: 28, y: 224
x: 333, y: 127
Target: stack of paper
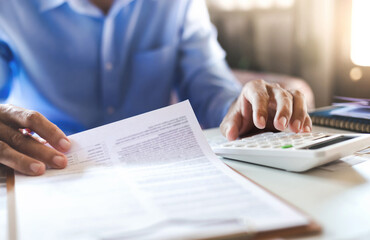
x: 148, y: 177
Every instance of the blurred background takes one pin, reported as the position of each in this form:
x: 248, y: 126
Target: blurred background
x: 324, y: 42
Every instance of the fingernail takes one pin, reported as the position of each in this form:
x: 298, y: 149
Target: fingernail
x: 297, y: 124
x: 262, y: 121
x: 63, y: 143
x: 35, y: 167
x: 307, y: 129
x: 283, y: 121
x: 59, y: 161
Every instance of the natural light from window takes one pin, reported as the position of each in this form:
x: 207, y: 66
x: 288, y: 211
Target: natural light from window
x: 360, y: 36
x: 232, y: 5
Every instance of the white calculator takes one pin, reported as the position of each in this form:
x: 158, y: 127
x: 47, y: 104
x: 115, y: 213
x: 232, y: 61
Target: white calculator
x: 295, y: 152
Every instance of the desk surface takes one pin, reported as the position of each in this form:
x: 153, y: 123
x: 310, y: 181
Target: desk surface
x: 338, y: 200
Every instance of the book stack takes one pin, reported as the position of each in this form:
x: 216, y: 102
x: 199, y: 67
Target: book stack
x: 352, y: 115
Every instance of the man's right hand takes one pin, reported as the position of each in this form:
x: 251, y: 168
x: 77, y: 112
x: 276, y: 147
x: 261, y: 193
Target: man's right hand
x: 23, y: 152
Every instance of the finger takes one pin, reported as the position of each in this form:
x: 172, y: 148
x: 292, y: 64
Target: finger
x: 231, y: 124
x: 29, y: 146
x: 307, y: 125
x: 284, y: 105
x: 299, y: 111
x: 22, y: 118
x: 256, y: 93
x: 19, y: 161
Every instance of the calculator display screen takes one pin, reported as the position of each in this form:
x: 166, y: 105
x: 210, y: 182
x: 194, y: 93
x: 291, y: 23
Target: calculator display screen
x: 330, y: 142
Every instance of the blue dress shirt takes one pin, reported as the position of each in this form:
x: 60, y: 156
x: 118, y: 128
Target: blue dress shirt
x: 81, y: 68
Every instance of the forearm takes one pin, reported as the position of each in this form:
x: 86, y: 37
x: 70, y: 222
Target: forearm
x: 211, y: 90
x: 205, y: 79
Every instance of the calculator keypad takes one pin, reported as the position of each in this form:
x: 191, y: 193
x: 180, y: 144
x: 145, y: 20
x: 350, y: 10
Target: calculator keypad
x: 269, y: 140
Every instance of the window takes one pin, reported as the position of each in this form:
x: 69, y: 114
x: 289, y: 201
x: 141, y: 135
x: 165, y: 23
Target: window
x: 360, y: 35
x: 231, y: 5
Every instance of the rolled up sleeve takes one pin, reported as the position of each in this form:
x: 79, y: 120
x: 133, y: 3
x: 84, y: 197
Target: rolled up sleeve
x: 206, y: 79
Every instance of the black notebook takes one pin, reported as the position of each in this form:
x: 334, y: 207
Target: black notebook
x: 325, y: 117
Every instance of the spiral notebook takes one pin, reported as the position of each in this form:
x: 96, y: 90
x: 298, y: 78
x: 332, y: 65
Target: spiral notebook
x: 342, y: 117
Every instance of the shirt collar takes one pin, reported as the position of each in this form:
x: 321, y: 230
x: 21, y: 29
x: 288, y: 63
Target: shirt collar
x: 46, y: 5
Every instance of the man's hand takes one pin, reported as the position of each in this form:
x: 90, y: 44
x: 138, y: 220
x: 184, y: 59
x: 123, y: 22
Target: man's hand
x: 24, y: 153
x: 267, y: 106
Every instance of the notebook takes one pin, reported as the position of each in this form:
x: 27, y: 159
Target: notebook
x: 339, y: 117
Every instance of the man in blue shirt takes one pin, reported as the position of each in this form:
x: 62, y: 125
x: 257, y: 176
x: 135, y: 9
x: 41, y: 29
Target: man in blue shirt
x: 79, y: 64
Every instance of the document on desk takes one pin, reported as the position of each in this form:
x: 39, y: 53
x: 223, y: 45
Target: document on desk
x: 152, y: 176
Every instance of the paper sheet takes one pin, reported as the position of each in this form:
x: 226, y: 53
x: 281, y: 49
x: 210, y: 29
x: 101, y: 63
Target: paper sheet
x: 3, y: 211
x: 345, y: 162
x: 153, y: 176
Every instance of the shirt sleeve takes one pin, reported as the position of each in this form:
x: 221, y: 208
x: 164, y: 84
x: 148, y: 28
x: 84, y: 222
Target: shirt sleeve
x: 206, y: 79
x: 6, y: 58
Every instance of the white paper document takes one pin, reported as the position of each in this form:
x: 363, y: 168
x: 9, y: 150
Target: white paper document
x: 345, y: 162
x: 3, y: 210
x: 152, y: 176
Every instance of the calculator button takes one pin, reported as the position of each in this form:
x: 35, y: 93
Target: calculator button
x: 280, y: 134
x: 285, y: 139
x: 296, y: 137
x: 266, y: 134
x: 251, y: 145
x: 307, y: 137
x: 264, y: 146
x: 287, y: 146
x: 227, y: 145
x: 307, y: 134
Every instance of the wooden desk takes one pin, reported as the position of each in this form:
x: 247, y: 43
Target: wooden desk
x: 339, y: 201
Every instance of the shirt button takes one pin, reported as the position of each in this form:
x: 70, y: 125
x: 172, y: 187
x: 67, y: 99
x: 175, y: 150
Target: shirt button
x: 108, y: 66
x: 110, y: 110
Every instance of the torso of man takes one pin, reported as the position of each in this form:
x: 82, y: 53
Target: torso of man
x: 104, y: 5
x: 112, y: 59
